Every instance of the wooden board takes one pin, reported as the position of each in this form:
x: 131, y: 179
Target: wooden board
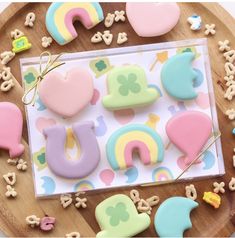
x: 206, y: 220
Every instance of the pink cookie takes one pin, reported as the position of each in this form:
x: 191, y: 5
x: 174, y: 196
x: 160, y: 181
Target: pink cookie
x: 189, y: 131
x: 152, y: 19
x: 11, y: 123
x: 67, y: 95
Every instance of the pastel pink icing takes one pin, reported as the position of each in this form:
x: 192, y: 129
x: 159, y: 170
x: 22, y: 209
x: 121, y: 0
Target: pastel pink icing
x: 142, y: 150
x: 11, y: 123
x: 73, y: 15
x: 67, y: 95
x: 152, y: 19
x: 189, y: 131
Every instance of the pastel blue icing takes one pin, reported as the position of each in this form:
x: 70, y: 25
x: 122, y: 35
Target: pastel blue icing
x: 50, y: 23
x: 111, y: 144
x: 178, y: 76
x: 173, y: 216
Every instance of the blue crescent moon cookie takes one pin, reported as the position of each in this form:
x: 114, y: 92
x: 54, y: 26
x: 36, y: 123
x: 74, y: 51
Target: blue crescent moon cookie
x: 173, y: 216
x: 178, y: 76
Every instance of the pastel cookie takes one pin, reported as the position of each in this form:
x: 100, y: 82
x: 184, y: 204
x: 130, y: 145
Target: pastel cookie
x: 152, y: 19
x: 189, y: 131
x: 128, y: 88
x: 178, y: 76
x: 61, y: 16
x: 11, y: 124
x: 117, y: 217
x: 69, y: 94
x: 173, y: 216
x: 140, y: 138
x: 55, y: 150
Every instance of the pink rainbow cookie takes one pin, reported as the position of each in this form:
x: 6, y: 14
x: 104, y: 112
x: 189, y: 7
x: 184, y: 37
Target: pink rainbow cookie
x: 11, y: 123
x: 140, y: 138
x: 67, y: 95
x: 189, y: 131
x: 152, y: 19
x: 61, y: 15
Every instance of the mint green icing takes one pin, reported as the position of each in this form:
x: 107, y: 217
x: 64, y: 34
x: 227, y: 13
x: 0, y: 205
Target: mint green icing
x: 173, y: 216
x: 178, y: 76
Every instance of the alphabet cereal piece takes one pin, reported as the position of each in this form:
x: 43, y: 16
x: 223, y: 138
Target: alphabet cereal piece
x: 119, y: 16
x: 74, y: 234
x: 10, y: 192
x: 16, y: 34
x: 230, y: 113
x: 210, y: 29
x: 107, y: 37
x: 10, y: 178
x: 109, y: 20
x: 224, y: 45
x: 191, y: 192
x: 219, y: 187
x: 7, y: 85
x: 230, y: 92
x: 22, y: 165
x: 32, y: 221
x: 6, y: 57
x: 66, y: 200
x: 231, y: 184
x: 230, y: 56
x: 46, y: 41
x: 229, y: 69
x: 97, y: 37
x: 135, y: 196
x: 122, y: 38
x: 30, y: 19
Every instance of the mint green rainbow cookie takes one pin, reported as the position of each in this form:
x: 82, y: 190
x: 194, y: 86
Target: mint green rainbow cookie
x: 173, y: 216
x: 128, y: 88
x: 178, y: 76
x: 117, y: 217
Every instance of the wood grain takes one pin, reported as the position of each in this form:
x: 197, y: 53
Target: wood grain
x: 206, y: 220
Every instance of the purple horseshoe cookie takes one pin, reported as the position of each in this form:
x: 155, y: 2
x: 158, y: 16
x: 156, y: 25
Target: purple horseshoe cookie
x: 55, y: 150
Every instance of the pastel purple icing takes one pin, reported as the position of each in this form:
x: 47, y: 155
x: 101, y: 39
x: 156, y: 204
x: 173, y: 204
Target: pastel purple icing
x: 55, y: 150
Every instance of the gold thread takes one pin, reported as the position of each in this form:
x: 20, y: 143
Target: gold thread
x: 50, y: 65
x: 215, y: 137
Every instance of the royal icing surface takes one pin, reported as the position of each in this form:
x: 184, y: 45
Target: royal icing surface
x: 127, y: 88
x: 178, y: 76
x: 69, y: 94
x: 117, y: 217
x: 173, y: 216
x: 55, y: 150
x: 108, y: 122
x: 152, y: 19
x: 139, y: 138
x: 60, y: 18
x: 189, y: 131
x: 11, y: 123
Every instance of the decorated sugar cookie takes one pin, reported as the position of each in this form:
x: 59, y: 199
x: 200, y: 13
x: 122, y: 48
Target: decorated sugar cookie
x: 67, y: 95
x: 11, y: 123
x: 152, y: 19
x: 140, y: 138
x: 128, y: 88
x: 189, y: 131
x: 178, y: 76
x: 61, y: 15
x: 173, y: 216
x: 55, y: 150
x: 117, y: 217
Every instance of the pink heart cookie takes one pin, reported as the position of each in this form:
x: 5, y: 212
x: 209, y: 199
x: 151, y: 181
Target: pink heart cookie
x: 67, y: 95
x: 152, y: 19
